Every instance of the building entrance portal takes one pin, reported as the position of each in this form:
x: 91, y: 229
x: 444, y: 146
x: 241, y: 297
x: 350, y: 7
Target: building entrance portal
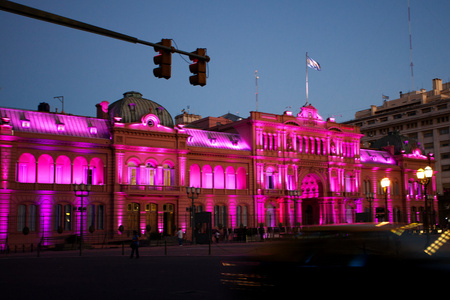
x: 310, y: 212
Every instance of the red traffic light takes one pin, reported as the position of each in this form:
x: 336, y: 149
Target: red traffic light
x: 198, y: 68
x: 163, y: 59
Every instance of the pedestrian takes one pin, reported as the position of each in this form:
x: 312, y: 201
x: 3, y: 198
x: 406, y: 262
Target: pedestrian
x: 180, y: 237
x: 135, y: 244
x: 217, y: 235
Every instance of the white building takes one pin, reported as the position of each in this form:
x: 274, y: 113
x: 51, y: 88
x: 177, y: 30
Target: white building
x: 422, y: 115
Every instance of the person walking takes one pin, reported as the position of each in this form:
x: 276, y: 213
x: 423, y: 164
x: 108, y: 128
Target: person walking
x: 135, y: 244
x: 180, y: 237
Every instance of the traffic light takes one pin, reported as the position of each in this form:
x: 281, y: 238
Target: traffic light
x: 198, y: 68
x: 163, y: 59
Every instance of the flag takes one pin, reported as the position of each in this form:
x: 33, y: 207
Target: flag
x: 385, y: 97
x: 312, y: 63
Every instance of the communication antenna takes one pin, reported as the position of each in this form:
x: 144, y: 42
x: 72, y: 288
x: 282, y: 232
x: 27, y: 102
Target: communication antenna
x: 61, y: 99
x: 410, y: 47
x: 256, y: 87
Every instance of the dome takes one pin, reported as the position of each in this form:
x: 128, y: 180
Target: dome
x: 132, y: 107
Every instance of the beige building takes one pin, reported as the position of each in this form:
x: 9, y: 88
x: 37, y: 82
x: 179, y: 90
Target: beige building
x: 422, y: 115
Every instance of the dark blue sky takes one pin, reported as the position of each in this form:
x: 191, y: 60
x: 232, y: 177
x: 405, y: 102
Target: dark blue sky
x: 362, y: 47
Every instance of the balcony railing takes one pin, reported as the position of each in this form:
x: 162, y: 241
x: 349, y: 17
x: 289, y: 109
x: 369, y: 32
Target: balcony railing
x: 27, y: 186
x: 175, y: 190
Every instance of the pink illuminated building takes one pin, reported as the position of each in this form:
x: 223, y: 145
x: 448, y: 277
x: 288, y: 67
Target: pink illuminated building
x: 267, y: 170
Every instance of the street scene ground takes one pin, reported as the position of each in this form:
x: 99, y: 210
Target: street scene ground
x: 328, y: 263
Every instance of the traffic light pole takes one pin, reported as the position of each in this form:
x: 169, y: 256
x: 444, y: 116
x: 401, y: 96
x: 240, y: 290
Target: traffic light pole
x: 34, y: 13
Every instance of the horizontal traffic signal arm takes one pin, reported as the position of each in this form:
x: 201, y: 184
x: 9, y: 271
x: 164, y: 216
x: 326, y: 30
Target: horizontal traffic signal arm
x: 34, y: 13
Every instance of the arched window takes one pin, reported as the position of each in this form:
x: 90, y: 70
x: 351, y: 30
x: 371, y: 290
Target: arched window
x: 194, y: 176
x: 96, y: 166
x: 218, y: 177
x: 80, y: 168
x: 230, y: 182
x: 207, y: 177
x: 45, y: 169
x: 241, y: 180
x: 26, y: 168
x: 169, y: 175
x: 132, y: 173
x: 63, y: 170
x: 149, y: 174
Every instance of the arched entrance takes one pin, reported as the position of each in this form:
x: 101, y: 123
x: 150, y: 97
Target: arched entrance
x: 312, y: 190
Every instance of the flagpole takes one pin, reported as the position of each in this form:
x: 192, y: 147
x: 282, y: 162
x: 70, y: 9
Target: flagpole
x: 306, y: 63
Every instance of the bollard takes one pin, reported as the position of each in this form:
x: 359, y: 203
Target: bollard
x: 38, y: 249
x: 123, y: 248
x: 165, y: 246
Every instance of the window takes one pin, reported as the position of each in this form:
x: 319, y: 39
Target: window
x: 270, y: 180
x: 150, y: 174
x: 428, y: 133
x: 428, y: 146
x: 63, y: 217
x: 241, y: 216
x: 26, y: 217
x: 26, y: 168
x: 445, y: 143
x: 443, y: 130
x: 132, y: 173
x: 169, y: 175
x: 220, y: 215
x: 96, y: 217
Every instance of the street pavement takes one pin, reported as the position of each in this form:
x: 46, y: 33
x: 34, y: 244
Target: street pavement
x: 326, y: 266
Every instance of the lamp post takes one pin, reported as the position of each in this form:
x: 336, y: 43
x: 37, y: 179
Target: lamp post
x: 385, y: 182
x: 424, y: 177
x: 80, y: 190
x: 295, y: 194
x: 369, y: 198
x: 192, y: 193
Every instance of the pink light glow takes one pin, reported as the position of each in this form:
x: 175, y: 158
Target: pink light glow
x: 217, y: 140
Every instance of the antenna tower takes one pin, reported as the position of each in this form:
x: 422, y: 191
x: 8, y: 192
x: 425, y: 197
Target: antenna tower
x: 410, y: 47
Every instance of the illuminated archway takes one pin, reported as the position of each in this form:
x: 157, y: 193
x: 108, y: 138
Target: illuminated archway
x: 312, y: 189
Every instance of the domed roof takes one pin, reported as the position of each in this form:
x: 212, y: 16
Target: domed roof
x: 401, y: 143
x: 132, y: 107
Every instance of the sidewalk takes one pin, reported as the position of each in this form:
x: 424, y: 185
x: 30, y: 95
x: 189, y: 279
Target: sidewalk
x: 216, y: 249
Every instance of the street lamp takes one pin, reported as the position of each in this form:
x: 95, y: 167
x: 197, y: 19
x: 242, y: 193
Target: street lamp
x: 295, y: 194
x: 369, y: 198
x: 192, y: 193
x: 424, y: 177
x: 80, y: 190
x: 385, y: 182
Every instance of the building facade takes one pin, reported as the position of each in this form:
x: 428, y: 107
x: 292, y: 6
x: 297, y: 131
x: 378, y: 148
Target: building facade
x: 267, y: 170
x: 421, y: 115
